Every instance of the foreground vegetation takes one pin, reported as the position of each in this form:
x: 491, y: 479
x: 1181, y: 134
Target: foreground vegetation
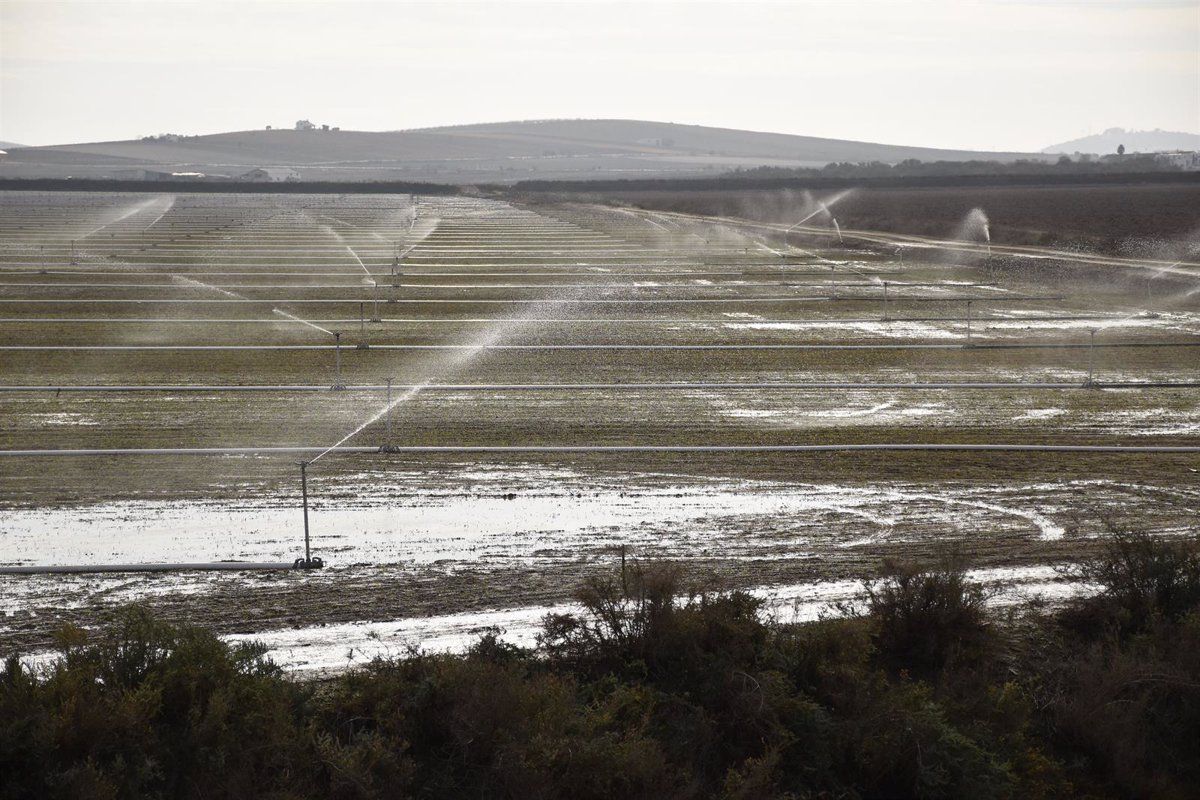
x: 652, y: 691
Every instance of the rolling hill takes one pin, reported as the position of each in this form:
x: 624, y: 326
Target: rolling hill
x: 1134, y: 141
x: 493, y: 152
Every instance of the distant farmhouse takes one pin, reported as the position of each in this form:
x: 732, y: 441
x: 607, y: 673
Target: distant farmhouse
x: 157, y: 175
x: 271, y: 175
x: 306, y: 125
x: 1182, y: 159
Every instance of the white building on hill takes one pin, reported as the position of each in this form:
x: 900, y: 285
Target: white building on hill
x: 271, y: 175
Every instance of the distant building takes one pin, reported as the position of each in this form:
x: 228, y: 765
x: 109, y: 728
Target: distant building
x: 142, y: 175
x: 305, y: 125
x: 271, y: 175
x: 1183, y: 159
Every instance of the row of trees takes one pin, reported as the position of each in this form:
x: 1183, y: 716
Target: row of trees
x: 1064, y: 165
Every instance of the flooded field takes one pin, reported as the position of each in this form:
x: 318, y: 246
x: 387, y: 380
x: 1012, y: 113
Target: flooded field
x: 167, y: 359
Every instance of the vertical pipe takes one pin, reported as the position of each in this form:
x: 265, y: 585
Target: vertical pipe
x: 337, y: 361
x: 304, y: 495
x: 968, y: 323
x: 884, y: 316
x: 387, y: 417
x: 1092, y: 359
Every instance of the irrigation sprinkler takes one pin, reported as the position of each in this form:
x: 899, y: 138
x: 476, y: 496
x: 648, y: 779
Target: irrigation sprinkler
x: 968, y: 323
x: 308, y: 562
x: 388, y: 447
x: 74, y: 256
x: 786, y: 232
x: 1091, y: 378
x: 362, y: 329
x: 337, y: 362
x: 883, y: 317
x: 375, y: 302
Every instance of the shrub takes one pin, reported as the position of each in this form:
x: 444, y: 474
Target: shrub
x: 924, y: 619
x: 1143, y: 578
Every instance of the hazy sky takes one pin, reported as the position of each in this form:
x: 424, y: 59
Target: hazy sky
x: 984, y: 75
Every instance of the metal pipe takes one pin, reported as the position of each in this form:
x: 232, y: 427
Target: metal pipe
x: 625, y: 448
x: 84, y: 569
x: 1091, y: 378
x: 304, y: 496
x: 968, y: 323
x: 337, y: 362
x: 387, y: 420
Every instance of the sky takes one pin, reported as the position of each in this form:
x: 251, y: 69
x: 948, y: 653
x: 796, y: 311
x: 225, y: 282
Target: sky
x: 986, y: 75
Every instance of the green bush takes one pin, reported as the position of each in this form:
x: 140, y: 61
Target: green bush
x: 652, y: 692
x: 1142, y: 579
x: 924, y: 619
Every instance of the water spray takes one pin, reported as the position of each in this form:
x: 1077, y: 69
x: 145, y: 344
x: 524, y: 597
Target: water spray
x: 838, y: 228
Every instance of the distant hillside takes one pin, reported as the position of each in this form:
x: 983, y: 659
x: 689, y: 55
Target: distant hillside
x: 9, y: 145
x: 495, y: 152
x: 1135, y: 142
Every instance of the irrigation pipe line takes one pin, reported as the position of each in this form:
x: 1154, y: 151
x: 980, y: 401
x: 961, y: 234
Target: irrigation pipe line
x: 383, y: 277
x: 655, y: 320
x: 897, y: 299
x: 474, y: 347
x: 208, y: 566
x: 407, y: 272
x: 588, y: 387
x: 616, y: 448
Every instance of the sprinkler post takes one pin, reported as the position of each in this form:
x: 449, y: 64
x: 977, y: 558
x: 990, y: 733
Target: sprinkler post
x: 337, y: 362
x: 884, y: 316
x: 968, y: 323
x: 1091, y: 378
x: 387, y: 422
x: 308, y: 562
x: 362, y: 328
